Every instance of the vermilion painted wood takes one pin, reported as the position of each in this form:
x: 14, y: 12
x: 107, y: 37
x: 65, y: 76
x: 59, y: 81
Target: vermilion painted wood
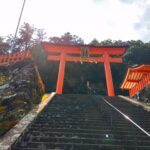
x: 78, y: 59
x: 77, y: 49
x: 136, y: 78
x: 109, y: 80
x: 15, y: 57
x: 61, y: 73
x: 145, y: 81
x: 60, y: 53
x: 39, y: 78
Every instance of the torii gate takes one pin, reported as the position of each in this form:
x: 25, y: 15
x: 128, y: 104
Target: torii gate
x: 84, y: 53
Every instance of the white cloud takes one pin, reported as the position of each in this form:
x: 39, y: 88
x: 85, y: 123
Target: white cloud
x: 143, y: 24
x: 101, y: 19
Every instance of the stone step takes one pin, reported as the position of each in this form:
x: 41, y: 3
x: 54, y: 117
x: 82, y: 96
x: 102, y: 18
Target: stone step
x: 78, y: 146
x: 89, y: 135
x: 81, y: 122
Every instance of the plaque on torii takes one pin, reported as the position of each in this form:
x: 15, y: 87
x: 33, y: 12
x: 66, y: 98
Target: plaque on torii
x: 84, y: 53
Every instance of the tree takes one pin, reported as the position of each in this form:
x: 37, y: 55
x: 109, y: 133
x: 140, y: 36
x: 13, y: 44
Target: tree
x: 26, y: 32
x: 67, y: 38
x: 107, y: 42
x: 40, y: 35
x: 24, y: 40
x: 55, y: 40
x: 28, y: 37
x: 137, y: 55
x: 95, y: 42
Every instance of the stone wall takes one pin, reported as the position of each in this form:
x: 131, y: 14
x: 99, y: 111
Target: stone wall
x: 20, y: 91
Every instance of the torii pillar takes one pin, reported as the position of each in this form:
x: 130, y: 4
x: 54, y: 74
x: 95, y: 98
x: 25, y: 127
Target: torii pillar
x: 61, y: 72
x: 108, y: 74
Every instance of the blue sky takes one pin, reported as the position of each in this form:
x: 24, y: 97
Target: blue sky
x: 100, y: 19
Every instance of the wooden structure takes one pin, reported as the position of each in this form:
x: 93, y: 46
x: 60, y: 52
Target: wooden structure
x: 83, y: 53
x: 14, y: 57
x: 136, y: 78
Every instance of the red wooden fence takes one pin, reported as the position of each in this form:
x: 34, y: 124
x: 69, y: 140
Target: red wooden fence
x: 15, y: 57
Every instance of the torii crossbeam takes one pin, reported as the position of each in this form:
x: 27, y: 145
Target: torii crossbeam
x: 83, y: 53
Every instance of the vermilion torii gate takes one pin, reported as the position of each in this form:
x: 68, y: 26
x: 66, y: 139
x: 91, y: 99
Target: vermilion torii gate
x: 83, y: 53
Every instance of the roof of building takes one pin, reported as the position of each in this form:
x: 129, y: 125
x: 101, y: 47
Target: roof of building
x: 134, y: 75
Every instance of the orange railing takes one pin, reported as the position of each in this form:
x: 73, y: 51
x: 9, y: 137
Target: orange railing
x: 15, y: 57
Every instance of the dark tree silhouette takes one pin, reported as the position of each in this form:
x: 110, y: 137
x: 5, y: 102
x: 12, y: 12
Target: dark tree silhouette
x: 67, y: 38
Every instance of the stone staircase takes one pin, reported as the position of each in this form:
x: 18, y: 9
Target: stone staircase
x: 86, y: 122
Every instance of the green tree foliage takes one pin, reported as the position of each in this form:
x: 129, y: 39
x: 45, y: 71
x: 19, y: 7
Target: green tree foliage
x: 138, y: 53
x: 24, y: 40
x: 95, y: 42
x: 26, y: 33
x: 28, y: 37
x: 67, y: 38
x: 107, y: 42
